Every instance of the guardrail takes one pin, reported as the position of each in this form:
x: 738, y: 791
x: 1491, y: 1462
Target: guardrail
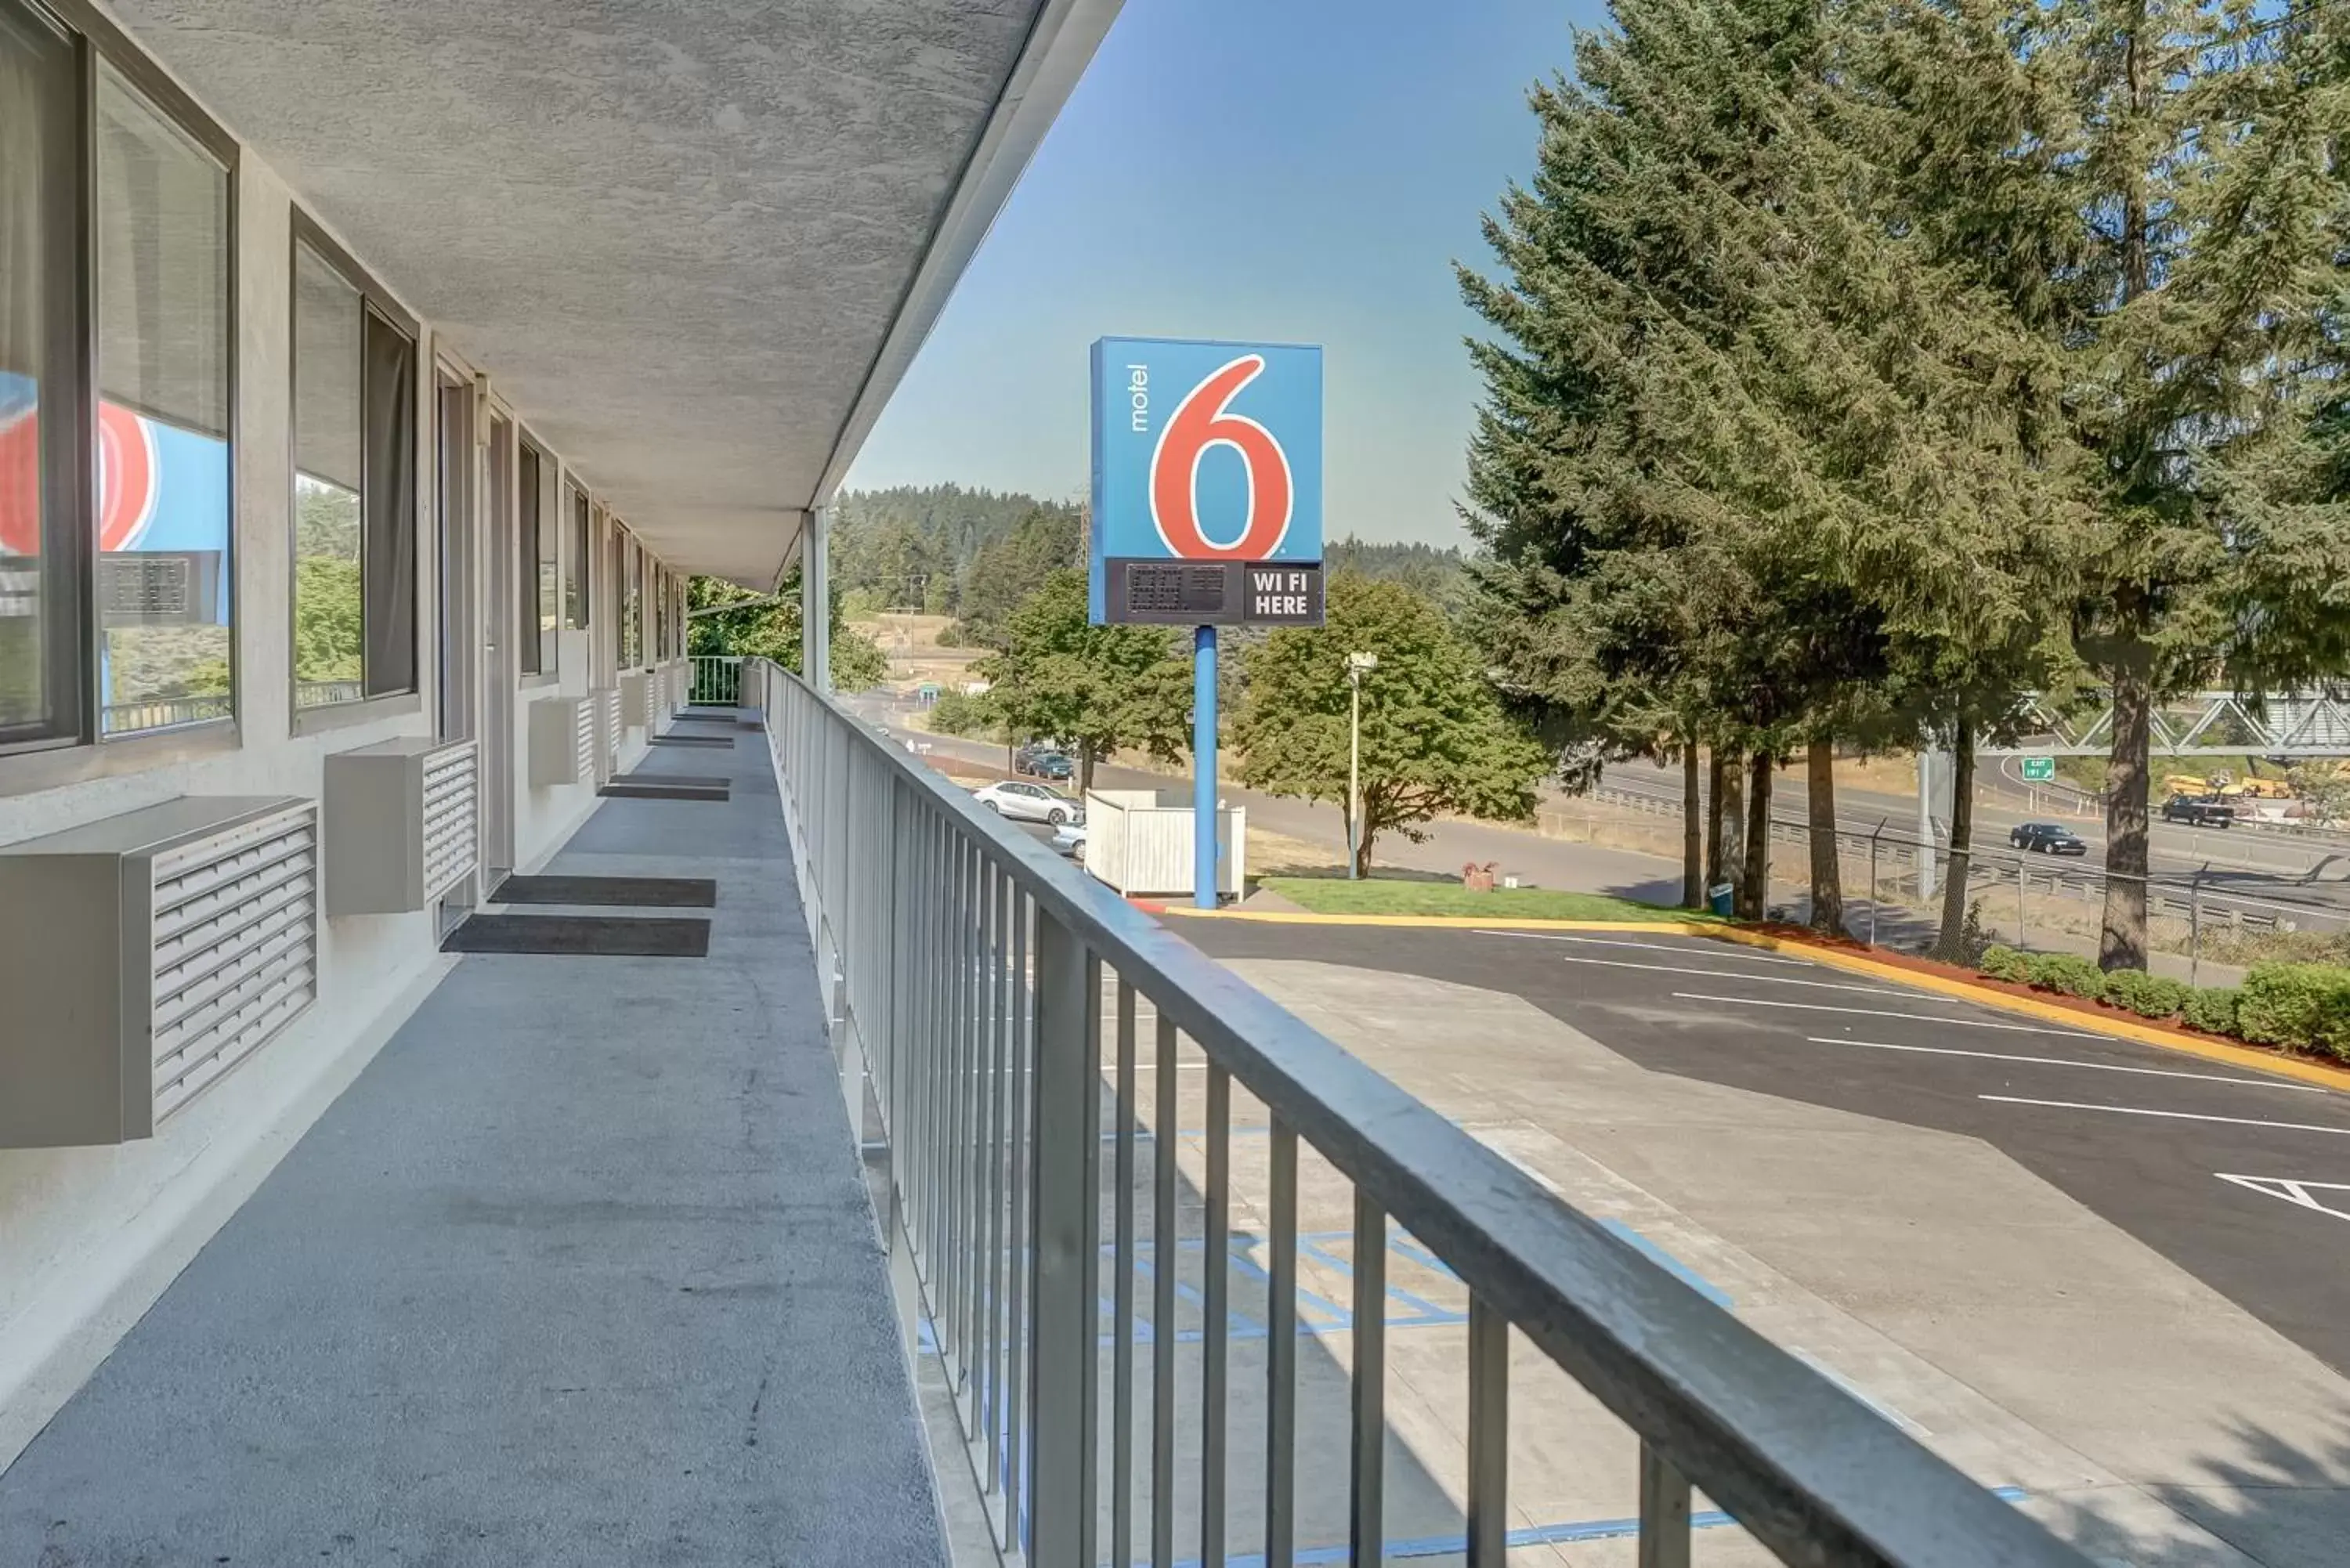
x: 969, y: 970
x: 122, y: 717
x: 717, y: 681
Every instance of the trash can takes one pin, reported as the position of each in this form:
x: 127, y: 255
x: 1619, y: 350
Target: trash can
x: 1716, y: 898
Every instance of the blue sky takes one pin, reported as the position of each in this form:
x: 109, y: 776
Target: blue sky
x: 1299, y: 170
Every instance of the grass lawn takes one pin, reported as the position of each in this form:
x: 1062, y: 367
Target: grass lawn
x: 1383, y: 895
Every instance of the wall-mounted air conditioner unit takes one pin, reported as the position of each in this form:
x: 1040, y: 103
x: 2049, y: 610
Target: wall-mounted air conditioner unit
x: 402, y: 823
x: 607, y: 700
x: 143, y: 956
x: 562, y: 741
x: 636, y: 700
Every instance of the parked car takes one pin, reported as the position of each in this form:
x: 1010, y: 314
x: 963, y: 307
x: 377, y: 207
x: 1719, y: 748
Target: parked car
x: 2200, y: 811
x: 1024, y: 802
x: 2046, y: 839
x: 1069, y: 838
x: 1041, y: 762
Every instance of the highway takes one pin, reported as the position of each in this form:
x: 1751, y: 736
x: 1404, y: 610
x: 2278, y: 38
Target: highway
x: 2253, y: 861
x: 2312, y: 879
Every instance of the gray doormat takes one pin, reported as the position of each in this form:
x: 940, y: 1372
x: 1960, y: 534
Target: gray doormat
x: 638, y: 892
x: 637, y: 789
x: 705, y: 718
x: 683, y: 781
x: 725, y: 741
x: 586, y: 936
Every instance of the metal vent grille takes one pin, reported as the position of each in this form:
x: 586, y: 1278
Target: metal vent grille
x: 451, y: 809
x: 234, y: 947
x: 587, y: 741
x: 611, y: 698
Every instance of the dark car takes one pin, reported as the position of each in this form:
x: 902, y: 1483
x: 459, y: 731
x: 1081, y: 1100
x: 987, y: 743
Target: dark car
x: 2046, y: 839
x: 2200, y: 811
x: 1042, y: 762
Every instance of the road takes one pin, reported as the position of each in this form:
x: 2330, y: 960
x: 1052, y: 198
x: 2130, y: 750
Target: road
x: 2048, y: 1253
x: 1544, y: 862
x: 2241, y: 860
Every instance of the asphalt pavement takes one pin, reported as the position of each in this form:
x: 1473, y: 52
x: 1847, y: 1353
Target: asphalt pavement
x: 2240, y: 1178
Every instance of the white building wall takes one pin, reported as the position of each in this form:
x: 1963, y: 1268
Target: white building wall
x: 89, y: 1236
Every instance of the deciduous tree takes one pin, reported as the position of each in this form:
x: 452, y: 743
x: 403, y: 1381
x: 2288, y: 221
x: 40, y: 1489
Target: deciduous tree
x: 1435, y: 739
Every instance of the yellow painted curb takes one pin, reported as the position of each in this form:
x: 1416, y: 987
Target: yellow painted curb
x: 1440, y: 922
x: 2031, y: 1007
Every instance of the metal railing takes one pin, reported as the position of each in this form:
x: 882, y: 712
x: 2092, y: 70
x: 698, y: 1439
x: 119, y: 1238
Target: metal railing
x: 122, y: 717
x: 717, y: 681
x: 969, y: 970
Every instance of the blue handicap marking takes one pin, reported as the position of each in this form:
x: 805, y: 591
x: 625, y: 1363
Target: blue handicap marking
x: 1667, y: 1262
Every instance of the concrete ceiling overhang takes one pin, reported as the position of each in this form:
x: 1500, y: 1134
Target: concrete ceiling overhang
x: 694, y: 242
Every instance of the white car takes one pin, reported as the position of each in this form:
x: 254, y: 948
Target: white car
x: 1069, y: 838
x: 1024, y: 802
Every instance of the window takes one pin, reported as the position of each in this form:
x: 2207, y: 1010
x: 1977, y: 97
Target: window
x: 115, y: 517
x: 537, y: 576
x: 574, y: 574
x: 354, y: 490
x: 631, y: 608
x: 41, y: 541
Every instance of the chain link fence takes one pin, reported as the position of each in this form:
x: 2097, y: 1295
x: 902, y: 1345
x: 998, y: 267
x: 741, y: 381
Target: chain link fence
x: 2023, y: 899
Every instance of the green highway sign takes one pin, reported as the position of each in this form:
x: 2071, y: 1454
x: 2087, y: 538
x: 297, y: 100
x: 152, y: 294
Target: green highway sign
x: 2039, y: 770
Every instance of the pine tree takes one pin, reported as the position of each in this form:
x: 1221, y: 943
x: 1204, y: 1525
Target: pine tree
x: 1750, y: 444
x: 2150, y: 188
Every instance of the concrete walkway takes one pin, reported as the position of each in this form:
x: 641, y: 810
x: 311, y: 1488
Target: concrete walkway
x: 580, y: 1270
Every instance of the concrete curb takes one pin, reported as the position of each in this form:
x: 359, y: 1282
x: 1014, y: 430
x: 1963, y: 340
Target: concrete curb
x: 2242, y: 1056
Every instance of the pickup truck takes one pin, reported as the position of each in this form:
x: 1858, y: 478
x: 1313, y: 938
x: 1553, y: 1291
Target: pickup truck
x: 2199, y: 811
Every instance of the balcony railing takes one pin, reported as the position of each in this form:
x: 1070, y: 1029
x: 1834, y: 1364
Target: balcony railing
x: 717, y: 681
x: 970, y: 968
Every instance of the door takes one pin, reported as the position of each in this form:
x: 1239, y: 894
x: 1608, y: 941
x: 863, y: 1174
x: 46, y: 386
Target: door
x: 500, y: 650
x: 457, y: 716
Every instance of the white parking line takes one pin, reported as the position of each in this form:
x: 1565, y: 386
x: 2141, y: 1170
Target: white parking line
x: 2174, y: 1116
x: 2068, y: 1062
x: 1749, y: 979
x: 2301, y: 1194
x: 1886, y: 1013
x: 1726, y: 950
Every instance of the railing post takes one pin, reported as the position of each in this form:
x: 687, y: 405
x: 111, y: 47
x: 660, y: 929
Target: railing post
x: 1065, y: 1198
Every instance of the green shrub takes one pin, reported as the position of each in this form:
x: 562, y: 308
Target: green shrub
x: 2068, y: 972
x: 2303, y: 1005
x: 2213, y: 1011
x: 957, y: 714
x: 2006, y: 963
x: 2148, y: 995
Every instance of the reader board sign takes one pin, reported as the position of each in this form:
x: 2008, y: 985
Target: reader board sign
x: 1207, y: 483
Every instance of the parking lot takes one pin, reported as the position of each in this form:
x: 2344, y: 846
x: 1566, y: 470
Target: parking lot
x: 2104, y: 1278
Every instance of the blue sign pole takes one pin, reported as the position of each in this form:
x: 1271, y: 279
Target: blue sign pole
x: 1204, y: 877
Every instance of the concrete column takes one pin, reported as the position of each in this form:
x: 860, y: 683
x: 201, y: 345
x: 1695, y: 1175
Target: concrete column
x: 816, y: 600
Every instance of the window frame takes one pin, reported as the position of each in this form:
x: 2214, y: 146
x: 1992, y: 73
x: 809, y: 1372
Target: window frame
x: 81, y: 748
x: 537, y: 662
x: 306, y: 231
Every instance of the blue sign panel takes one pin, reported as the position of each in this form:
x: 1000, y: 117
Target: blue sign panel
x: 1206, y: 483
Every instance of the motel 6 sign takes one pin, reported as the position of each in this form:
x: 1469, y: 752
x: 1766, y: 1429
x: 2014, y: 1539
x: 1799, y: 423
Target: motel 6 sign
x: 1207, y: 483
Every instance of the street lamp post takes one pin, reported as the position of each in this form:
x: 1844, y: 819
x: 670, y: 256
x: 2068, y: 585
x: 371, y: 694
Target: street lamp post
x: 1357, y: 663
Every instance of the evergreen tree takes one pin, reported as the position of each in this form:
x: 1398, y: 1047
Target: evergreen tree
x: 2150, y: 188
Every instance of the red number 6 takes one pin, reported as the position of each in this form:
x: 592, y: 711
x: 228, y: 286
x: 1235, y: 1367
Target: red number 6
x: 1200, y: 422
